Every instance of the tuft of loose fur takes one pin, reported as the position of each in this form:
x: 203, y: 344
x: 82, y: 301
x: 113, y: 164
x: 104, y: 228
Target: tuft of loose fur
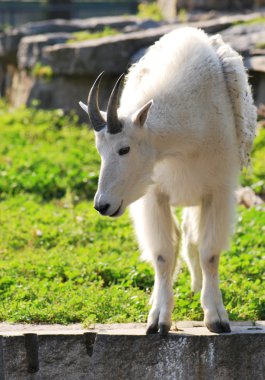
x: 239, y: 90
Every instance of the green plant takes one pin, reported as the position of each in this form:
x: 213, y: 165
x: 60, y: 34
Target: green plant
x: 6, y: 27
x: 46, y: 153
x: 253, y: 21
x: 61, y: 262
x: 84, y: 36
x: 42, y: 71
x: 255, y: 175
x: 150, y: 11
x: 182, y: 15
x: 260, y: 45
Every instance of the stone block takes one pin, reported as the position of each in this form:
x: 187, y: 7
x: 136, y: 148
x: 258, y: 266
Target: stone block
x: 61, y: 92
x: 30, y: 48
x: 124, y: 352
x: 110, y: 54
x: 9, y: 40
x: 245, y: 39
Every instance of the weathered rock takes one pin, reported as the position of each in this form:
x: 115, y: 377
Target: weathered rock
x: 2, y: 80
x: 142, y: 25
x: 256, y: 68
x: 245, y: 29
x: 9, y: 45
x: 261, y: 115
x: 30, y: 48
x: 256, y: 63
x: 125, y: 352
x: 241, y: 5
x: 224, y: 17
x: 245, y: 39
x: 168, y: 9
x: 138, y: 55
x: 110, y: 54
x: 75, y: 65
x: 9, y: 40
x: 61, y: 92
x: 210, y: 26
x: 246, y: 197
x: 99, y: 23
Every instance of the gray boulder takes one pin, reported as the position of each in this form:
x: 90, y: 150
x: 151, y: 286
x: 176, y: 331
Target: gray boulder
x: 10, y: 40
x: 142, y: 25
x: 8, y: 46
x: 248, y: 40
x: 256, y: 63
x: 256, y: 67
x: 76, y: 65
x: 111, y: 54
x: 30, y: 48
x: 245, y: 39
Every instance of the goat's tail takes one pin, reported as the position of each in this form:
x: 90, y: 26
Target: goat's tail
x: 245, y: 112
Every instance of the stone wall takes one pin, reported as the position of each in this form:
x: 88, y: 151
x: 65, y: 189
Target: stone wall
x: 239, y: 5
x: 124, y: 352
x: 73, y: 67
x: 170, y: 8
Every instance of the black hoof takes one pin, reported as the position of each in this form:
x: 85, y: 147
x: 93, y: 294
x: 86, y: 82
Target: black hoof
x: 152, y: 329
x: 218, y: 327
x: 226, y: 327
x: 163, y: 329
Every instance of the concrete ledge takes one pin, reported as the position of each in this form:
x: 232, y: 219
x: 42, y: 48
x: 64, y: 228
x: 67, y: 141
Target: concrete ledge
x: 123, y: 351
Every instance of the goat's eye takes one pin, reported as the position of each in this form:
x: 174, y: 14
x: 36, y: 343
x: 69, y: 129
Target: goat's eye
x: 123, y: 151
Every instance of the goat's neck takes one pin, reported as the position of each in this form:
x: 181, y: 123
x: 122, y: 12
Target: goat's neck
x: 166, y: 145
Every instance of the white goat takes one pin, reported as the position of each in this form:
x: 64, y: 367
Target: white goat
x: 185, y: 126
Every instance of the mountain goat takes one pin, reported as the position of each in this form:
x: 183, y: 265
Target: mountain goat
x: 184, y: 128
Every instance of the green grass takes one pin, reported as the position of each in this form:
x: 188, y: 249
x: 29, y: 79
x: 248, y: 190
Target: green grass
x: 260, y: 45
x: 253, y: 21
x: 42, y: 71
x: 150, y: 11
x: 61, y: 262
x: 84, y: 35
x: 254, y: 176
x: 44, y: 153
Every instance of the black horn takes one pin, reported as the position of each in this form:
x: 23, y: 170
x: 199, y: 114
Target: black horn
x: 113, y: 123
x: 94, y: 114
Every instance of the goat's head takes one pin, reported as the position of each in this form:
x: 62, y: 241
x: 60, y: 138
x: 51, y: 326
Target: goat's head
x: 127, y: 155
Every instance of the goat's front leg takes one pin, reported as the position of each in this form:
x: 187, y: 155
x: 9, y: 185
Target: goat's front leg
x: 215, y: 225
x: 158, y: 235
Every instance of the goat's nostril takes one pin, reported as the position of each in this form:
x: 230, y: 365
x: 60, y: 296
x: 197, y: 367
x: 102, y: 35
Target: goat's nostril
x: 102, y: 208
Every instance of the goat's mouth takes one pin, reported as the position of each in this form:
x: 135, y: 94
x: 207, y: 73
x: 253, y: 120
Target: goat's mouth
x: 117, y: 212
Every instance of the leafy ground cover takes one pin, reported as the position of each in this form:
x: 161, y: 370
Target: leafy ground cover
x: 252, y: 21
x: 84, y: 35
x: 61, y: 262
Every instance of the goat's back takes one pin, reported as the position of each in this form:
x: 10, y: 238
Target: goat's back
x: 192, y: 78
x: 169, y: 66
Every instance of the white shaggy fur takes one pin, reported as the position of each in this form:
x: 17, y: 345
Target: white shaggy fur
x: 186, y: 149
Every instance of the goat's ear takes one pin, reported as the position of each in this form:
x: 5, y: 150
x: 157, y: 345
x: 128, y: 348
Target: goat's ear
x: 140, y: 116
x: 84, y: 107
x: 104, y: 114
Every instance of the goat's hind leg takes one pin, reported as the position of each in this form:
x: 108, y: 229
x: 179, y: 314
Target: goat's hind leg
x: 158, y: 237
x: 215, y: 226
x: 190, y: 249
